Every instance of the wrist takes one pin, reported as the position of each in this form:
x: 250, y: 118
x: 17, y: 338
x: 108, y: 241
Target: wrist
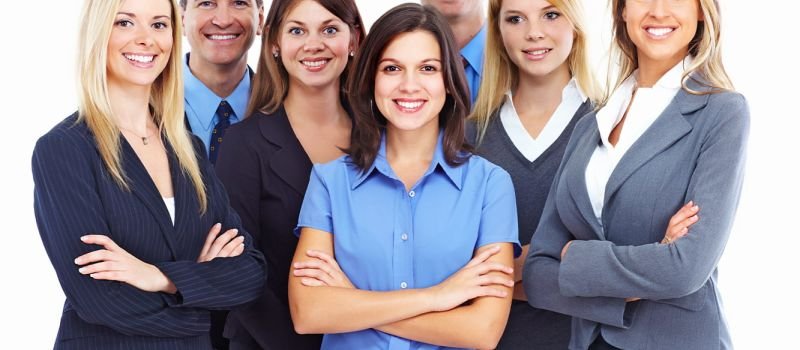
x: 164, y: 283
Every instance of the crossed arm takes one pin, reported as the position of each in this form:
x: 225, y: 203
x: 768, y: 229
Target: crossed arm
x: 441, y: 315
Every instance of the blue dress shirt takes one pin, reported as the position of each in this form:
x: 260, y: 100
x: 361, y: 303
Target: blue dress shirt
x: 387, y: 238
x: 202, y: 103
x: 473, y: 54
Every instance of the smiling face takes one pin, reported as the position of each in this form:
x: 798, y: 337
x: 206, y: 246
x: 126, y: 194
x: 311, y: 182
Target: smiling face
x: 314, y: 45
x: 409, y: 85
x: 537, y: 37
x: 221, y: 31
x: 140, y: 43
x: 661, y: 29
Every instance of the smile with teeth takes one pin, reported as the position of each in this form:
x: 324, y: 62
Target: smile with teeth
x: 315, y: 64
x: 659, y: 31
x: 410, y: 106
x: 140, y: 58
x: 222, y: 36
x: 538, y: 52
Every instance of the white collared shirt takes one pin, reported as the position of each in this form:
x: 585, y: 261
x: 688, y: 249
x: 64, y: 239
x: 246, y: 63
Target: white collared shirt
x: 644, y: 110
x: 170, y: 203
x: 571, y: 99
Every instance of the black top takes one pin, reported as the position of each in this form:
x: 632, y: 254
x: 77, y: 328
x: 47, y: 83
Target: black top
x: 528, y: 327
x: 75, y: 195
x: 265, y: 170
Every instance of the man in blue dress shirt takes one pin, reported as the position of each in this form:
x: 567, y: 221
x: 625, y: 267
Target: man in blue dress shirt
x: 468, y: 23
x: 216, y: 74
x: 217, y: 79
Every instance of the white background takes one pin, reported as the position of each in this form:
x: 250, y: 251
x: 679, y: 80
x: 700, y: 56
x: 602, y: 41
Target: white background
x: 758, y: 272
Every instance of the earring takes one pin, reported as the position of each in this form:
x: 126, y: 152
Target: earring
x: 352, y: 53
x: 275, y: 54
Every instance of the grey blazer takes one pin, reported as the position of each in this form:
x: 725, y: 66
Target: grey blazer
x: 695, y: 150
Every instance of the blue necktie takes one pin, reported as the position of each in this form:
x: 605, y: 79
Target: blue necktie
x: 224, y: 113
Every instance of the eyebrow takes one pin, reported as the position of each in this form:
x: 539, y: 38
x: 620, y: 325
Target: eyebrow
x: 423, y: 61
x: 512, y: 11
x: 132, y: 15
x: 323, y: 23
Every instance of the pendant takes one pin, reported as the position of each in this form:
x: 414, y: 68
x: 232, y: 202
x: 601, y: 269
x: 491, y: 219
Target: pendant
x: 144, y: 140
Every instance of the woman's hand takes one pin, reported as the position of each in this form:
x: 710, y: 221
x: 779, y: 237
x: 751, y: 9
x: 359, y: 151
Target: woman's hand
x: 321, y: 270
x: 680, y: 222
x: 115, y: 264
x: 226, y: 245
x: 472, y: 281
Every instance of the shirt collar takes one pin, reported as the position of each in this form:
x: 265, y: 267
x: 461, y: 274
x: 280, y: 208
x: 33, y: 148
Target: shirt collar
x: 454, y: 173
x: 204, y: 103
x: 473, y: 51
x: 572, y: 87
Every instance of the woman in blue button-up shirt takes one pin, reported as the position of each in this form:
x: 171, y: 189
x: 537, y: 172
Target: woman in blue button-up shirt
x: 423, y: 233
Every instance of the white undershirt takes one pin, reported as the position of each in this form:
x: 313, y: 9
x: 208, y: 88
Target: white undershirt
x: 571, y: 99
x: 170, y: 202
x: 644, y: 110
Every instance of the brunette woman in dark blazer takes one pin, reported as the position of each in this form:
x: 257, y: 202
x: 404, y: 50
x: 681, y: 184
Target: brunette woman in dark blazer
x: 296, y: 118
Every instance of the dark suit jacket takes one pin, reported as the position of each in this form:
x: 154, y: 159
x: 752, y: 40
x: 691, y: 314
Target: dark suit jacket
x: 74, y: 195
x: 695, y: 150
x: 266, y: 171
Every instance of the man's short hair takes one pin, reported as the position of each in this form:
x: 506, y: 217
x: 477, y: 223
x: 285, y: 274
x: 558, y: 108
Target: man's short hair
x: 183, y: 3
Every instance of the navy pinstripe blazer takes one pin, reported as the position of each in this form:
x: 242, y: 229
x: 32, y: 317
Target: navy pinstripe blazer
x: 74, y: 195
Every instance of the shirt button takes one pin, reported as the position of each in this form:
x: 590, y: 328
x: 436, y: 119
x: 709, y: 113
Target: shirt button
x: 412, y: 194
x: 403, y: 285
x: 404, y: 237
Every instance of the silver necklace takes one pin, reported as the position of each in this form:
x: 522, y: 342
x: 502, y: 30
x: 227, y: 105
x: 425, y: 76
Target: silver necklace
x: 145, y: 139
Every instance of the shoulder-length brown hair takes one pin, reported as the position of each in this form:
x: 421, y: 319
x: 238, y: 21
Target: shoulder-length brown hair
x: 271, y: 82
x: 368, y: 122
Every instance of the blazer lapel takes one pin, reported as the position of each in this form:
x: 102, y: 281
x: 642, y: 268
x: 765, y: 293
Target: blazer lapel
x: 667, y: 129
x: 145, y: 189
x: 290, y: 162
x: 576, y: 177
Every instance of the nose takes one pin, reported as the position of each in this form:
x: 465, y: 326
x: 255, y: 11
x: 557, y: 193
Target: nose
x: 222, y: 16
x: 144, y: 36
x: 313, y: 43
x: 410, y: 82
x: 658, y: 8
x: 535, y: 31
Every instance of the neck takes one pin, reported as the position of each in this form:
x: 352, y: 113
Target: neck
x: 220, y: 79
x: 304, y: 104
x: 650, y: 71
x: 412, y: 146
x: 130, y: 107
x: 533, y: 91
x: 466, y: 27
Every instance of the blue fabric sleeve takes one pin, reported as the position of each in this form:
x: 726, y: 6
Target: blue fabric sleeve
x: 499, y: 212
x: 316, y: 210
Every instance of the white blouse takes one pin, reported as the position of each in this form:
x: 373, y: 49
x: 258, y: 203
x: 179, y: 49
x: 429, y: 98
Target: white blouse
x: 571, y: 99
x: 644, y: 110
x: 170, y: 202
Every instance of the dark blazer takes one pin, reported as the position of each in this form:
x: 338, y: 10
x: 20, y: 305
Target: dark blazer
x: 695, y: 150
x: 266, y: 171
x: 74, y: 195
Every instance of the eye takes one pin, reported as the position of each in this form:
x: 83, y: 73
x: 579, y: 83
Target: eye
x: 391, y: 68
x: 241, y: 4
x: 514, y: 19
x: 205, y: 4
x: 124, y: 23
x: 296, y: 31
x: 552, y: 15
x: 429, y: 68
x: 330, y: 30
x: 160, y: 25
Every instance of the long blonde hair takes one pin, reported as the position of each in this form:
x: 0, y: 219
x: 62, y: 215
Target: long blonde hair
x: 705, y: 47
x: 501, y: 74
x: 166, y: 95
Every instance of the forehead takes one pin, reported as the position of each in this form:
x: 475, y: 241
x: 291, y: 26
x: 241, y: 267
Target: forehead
x: 415, y: 46
x: 525, y: 4
x: 146, y: 8
x: 309, y: 11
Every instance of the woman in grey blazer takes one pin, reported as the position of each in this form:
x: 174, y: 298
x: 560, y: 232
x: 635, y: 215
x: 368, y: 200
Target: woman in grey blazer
x: 672, y: 132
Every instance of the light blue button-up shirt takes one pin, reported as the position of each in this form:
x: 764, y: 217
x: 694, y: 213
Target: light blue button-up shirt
x: 202, y: 103
x: 387, y: 238
x: 473, y: 54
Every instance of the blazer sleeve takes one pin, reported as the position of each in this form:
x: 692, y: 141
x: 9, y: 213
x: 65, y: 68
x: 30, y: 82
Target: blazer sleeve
x: 541, y: 270
x: 68, y: 206
x: 222, y: 283
x: 666, y: 271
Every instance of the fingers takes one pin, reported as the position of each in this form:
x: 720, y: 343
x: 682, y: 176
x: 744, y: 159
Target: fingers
x: 109, y: 276
x: 212, y: 235
x: 95, y: 256
x: 315, y: 264
x: 491, y: 292
x: 315, y: 274
x: 686, y: 211
x: 100, y: 240
x: 324, y: 257
x: 220, y: 242
x: 231, y: 246
x: 100, y: 267
x: 238, y: 251
x: 492, y: 266
x: 483, y: 256
x: 487, y: 280
x: 311, y: 282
